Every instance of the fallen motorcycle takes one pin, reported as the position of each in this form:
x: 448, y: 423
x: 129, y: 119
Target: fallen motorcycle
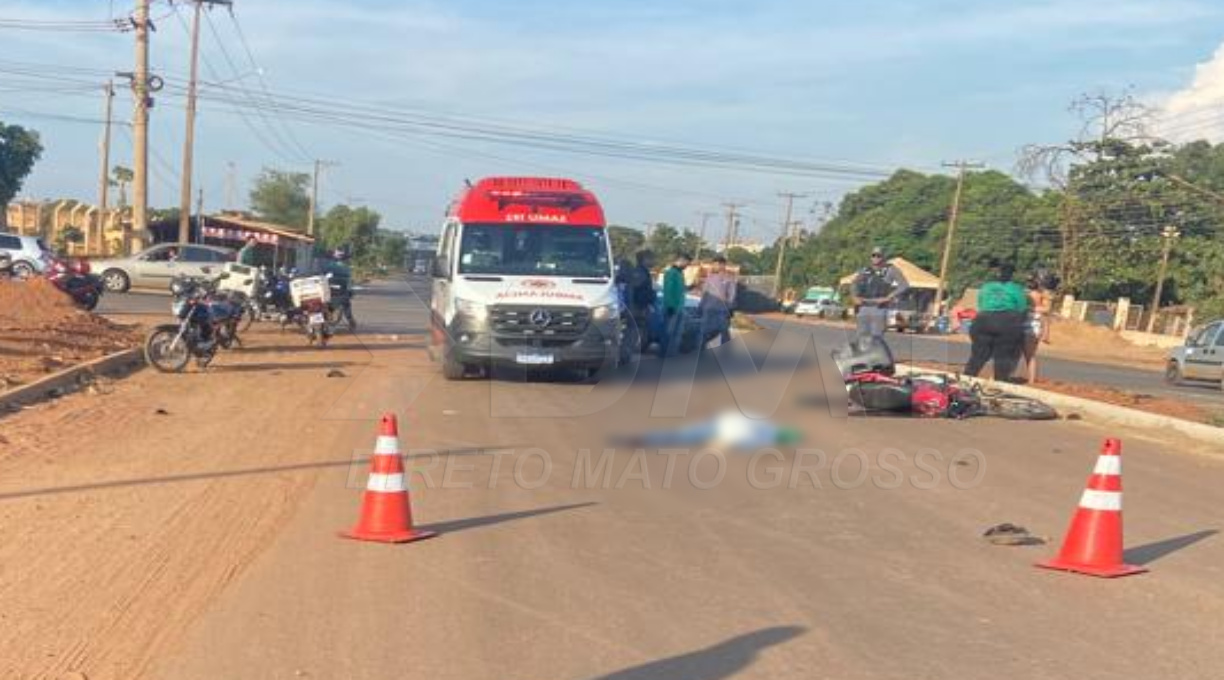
x: 206, y: 321
x: 873, y: 387
x: 77, y: 281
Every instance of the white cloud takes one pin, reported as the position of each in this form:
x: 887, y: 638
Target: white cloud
x: 1197, y: 111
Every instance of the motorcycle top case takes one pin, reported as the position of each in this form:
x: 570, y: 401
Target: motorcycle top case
x: 240, y: 279
x: 310, y: 288
x: 870, y: 355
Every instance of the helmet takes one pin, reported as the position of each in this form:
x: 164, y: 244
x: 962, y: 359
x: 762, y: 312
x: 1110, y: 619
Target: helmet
x: 340, y: 254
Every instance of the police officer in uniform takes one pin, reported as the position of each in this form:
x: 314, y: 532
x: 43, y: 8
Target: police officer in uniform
x: 875, y: 289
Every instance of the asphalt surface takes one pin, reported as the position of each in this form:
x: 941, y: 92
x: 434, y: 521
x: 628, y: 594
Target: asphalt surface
x: 386, y: 307
x: 908, y: 347
x: 398, y: 307
x: 204, y: 530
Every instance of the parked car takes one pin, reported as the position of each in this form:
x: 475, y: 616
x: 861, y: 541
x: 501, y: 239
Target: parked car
x: 692, y: 322
x: 28, y: 255
x: 823, y: 308
x: 1201, y: 358
x: 154, y: 267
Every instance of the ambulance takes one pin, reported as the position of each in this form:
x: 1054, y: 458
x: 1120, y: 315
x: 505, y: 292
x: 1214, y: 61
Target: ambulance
x: 523, y: 277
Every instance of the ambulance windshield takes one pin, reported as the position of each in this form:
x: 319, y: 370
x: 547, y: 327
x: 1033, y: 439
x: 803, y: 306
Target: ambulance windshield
x: 534, y: 250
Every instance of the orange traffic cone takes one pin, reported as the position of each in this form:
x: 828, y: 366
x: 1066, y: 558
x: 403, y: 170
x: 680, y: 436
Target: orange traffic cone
x: 1093, y: 544
x: 386, y: 511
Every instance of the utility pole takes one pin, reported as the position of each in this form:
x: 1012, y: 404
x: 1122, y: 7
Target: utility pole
x: 701, y: 235
x: 140, y: 121
x: 189, y: 137
x: 786, y: 227
x: 1168, y: 233
x: 314, y: 195
x: 961, y: 166
x: 104, y: 177
x: 731, y: 224
x: 200, y: 216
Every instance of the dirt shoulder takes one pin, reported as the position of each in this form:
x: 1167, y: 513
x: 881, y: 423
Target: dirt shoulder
x: 123, y: 515
x: 41, y: 332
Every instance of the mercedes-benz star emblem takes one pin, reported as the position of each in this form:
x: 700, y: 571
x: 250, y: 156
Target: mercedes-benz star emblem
x: 540, y: 317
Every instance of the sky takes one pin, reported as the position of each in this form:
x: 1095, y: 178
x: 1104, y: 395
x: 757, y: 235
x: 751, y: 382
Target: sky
x: 876, y: 84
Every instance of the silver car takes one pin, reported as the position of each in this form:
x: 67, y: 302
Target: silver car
x: 27, y: 255
x: 1201, y: 358
x: 154, y: 267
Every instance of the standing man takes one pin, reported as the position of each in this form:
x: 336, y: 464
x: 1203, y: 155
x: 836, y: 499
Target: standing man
x: 673, y: 305
x: 246, y: 255
x: 641, y: 297
x: 717, y: 301
x: 875, y: 289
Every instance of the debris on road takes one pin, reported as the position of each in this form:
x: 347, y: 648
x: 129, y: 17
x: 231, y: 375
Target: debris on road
x: 161, y: 412
x: 1011, y: 534
x: 336, y: 373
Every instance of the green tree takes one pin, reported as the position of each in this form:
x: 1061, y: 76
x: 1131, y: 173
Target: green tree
x: 282, y: 198
x: 20, y: 149
x: 748, y: 262
x: 626, y: 242
x: 353, y: 228
x: 392, y: 247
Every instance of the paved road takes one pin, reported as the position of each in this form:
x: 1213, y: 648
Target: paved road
x: 925, y: 348
x: 386, y: 307
x: 194, y: 536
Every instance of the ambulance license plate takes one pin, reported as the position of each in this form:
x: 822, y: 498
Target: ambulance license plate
x: 532, y: 359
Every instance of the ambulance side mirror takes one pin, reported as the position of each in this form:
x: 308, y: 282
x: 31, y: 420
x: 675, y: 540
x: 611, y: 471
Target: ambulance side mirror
x: 438, y: 268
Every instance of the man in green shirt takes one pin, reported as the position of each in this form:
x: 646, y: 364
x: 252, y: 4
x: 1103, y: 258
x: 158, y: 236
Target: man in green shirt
x: 247, y: 255
x: 998, y: 328
x: 673, y: 304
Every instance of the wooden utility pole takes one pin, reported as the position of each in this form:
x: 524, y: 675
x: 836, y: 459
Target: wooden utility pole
x: 140, y: 121
x: 786, y: 227
x: 189, y: 137
x: 314, y: 195
x: 1168, y: 233
x: 701, y: 235
x: 104, y: 176
x: 961, y: 166
x: 732, y: 218
x: 200, y: 216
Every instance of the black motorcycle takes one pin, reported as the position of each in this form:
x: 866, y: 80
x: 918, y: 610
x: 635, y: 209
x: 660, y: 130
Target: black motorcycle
x: 77, y: 281
x: 206, y: 321
x: 340, y: 308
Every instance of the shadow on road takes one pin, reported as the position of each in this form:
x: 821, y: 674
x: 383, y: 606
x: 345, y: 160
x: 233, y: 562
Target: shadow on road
x: 271, y: 368
x: 722, y: 660
x: 489, y: 520
x: 300, y: 345
x: 362, y: 461
x: 1150, y: 552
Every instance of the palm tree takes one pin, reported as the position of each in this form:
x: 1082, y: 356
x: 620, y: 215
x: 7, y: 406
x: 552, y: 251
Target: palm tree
x: 122, y: 177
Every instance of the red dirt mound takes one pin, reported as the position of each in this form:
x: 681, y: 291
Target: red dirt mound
x: 41, y: 332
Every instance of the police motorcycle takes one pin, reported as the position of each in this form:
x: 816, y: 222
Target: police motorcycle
x: 206, y: 319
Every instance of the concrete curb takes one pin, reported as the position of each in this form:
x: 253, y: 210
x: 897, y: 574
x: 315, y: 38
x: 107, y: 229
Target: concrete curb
x: 70, y: 379
x: 1099, y: 412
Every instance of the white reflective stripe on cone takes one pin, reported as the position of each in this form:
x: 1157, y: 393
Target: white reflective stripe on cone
x: 1108, y: 465
x: 386, y: 483
x: 1101, y: 500
x: 387, y: 446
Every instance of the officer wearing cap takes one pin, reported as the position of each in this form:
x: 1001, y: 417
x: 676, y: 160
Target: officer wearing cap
x: 876, y: 287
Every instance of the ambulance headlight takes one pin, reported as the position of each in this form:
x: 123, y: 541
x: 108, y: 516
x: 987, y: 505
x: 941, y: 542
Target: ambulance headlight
x: 605, y: 312
x: 470, y: 309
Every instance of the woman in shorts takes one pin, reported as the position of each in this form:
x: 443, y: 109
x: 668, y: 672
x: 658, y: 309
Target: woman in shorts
x: 1036, y: 327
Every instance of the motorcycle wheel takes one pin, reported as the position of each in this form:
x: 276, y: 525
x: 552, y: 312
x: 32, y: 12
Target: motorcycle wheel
x: 161, y: 352
x: 89, y: 301
x: 247, y: 316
